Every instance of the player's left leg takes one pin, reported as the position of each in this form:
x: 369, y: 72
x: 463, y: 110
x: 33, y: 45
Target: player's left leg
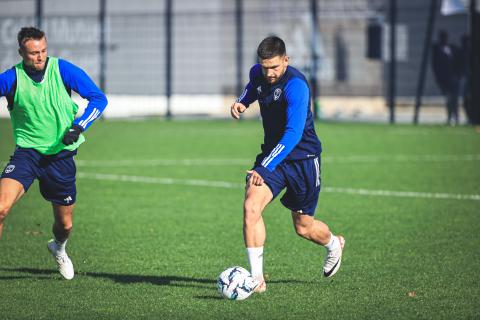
x: 62, y: 226
x: 301, y: 198
x: 309, y: 228
x: 57, y: 185
x: 63, y: 221
x: 318, y: 232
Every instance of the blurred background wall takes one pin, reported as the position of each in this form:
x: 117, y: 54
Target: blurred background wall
x: 205, y: 49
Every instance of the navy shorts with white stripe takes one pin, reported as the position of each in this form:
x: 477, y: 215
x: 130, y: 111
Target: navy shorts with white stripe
x: 302, y: 180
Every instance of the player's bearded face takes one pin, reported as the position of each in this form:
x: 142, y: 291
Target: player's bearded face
x: 34, y: 53
x: 274, y: 68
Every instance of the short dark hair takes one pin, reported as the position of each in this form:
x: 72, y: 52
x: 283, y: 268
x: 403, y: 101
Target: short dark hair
x: 271, y: 47
x: 27, y: 33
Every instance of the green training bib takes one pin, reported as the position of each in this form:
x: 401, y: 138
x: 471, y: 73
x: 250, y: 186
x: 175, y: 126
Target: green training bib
x: 42, y: 111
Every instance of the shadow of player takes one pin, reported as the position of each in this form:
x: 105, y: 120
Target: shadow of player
x: 161, y: 280
x: 167, y: 280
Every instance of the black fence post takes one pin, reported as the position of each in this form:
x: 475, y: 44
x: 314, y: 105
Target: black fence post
x: 313, y: 48
x: 425, y: 55
x: 39, y: 13
x: 474, y: 76
x: 168, y: 60
x: 393, y: 60
x: 239, y: 45
x: 102, y: 45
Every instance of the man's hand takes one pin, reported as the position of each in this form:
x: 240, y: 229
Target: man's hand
x: 254, y: 178
x: 236, y: 109
x: 72, y: 135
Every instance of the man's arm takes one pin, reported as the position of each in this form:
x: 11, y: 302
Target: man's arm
x: 298, y: 101
x: 7, y: 80
x: 77, y: 80
x: 248, y: 96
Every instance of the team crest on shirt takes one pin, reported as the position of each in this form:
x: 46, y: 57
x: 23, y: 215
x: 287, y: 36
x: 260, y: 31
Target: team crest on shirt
x: 259, y: 89
x: 277, y: 93
x: 10, y: 168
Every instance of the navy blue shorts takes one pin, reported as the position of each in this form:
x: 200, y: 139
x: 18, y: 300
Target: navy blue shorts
x: 55, y: 173
x: 302, y: 180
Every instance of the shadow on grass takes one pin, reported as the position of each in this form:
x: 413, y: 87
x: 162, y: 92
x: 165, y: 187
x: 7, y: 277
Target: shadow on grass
x: 209, y: 297
x: 14, y: 277
x: 29, y: 273
x: 176, y: 281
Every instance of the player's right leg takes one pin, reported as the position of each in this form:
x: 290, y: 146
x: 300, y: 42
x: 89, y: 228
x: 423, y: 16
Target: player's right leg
x: 10, y: 191
x: 256, y: 199
x: 16, y: 178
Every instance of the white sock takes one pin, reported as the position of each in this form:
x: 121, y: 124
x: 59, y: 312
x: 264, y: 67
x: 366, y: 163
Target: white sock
x: 61, y: 245
x: 333, y: 243
x: 255, y: 258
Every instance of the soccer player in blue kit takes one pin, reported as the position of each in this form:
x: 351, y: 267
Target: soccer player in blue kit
x: 289, y: 158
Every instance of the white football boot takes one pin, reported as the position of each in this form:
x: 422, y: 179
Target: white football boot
x: 333, y: 259
x: 64, y: 263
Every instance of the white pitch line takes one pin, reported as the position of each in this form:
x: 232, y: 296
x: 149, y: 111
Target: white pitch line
x: 231, y: 185
x: 161, y: 162
x: 167, y: 181
x: 248, y: 162
x: 229, y: 162
x: 401, y: 158
x: 406, y: 194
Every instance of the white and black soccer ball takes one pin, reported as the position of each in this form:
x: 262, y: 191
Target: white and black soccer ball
x: 236, y: 283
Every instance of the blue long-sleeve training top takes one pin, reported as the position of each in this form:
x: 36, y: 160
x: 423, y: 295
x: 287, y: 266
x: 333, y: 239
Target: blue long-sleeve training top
x: 288, y: 125
x: 73, y: 78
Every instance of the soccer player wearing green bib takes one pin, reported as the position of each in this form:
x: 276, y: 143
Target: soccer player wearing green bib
x: 46, y: 133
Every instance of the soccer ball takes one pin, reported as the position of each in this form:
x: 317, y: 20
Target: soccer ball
x: 236, y: 283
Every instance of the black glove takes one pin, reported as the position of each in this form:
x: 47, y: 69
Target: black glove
x: 72, y: 135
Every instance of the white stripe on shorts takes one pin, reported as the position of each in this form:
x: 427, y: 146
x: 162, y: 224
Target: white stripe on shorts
x: 317, y: 169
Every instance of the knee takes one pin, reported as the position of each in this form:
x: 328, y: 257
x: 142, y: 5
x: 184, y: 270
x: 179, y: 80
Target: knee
x: 68, y: 227
x: 251, y: 212
x: 302, y: 230
x: 65, y: 226
x: 4, y: 209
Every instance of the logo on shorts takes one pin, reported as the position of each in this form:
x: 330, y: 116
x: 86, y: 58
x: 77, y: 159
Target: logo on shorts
x: 68, y: 199
x: 10, y: 168
x: 277, y: 93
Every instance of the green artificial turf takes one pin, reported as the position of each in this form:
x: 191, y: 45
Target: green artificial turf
x: 145, y: 247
